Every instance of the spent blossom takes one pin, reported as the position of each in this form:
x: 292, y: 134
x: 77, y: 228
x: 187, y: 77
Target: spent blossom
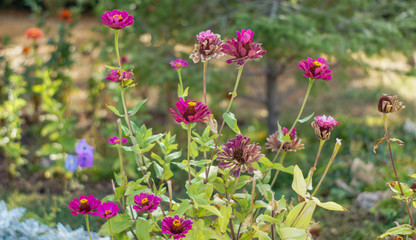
x: 178, y: 64
x: 208, y: 47
x: 243, y: 48
x: 84, y: 205
x: 117, y: 19
x: 146, y: 202
x: 323, y: 126
x: 274, y: 144
x: 114, y: 75
x: 190, y: 111
x: 389, y: 104
x: 316, y: 68
x: 238, y: 154
x: 107, y: 210
x: 116, y: 140
x: 34, y: 33
x: 176, y: 227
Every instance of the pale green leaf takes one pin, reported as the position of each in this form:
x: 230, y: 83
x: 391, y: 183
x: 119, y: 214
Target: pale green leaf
x: 137, y: 107
x: 143, y: 229
x: 115, y: 111
x: 298, y: 184
x: 305, y: 119
x: 298, y: 219
x: 404, y: 229
x: 329, y: 205
x: 231, y: 121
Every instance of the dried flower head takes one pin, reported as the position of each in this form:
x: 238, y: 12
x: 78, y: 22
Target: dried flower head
x: 316, y: 68
x: 238, y: 154
x: 243, y: 48
x: 176, y: 227
x: 71, y: 163
x: 208, y: 46
x: 114, y: 75
x: 107, y: 210
x: 190, y: 111
x: 389, y: 104
x: 323, y: 126
x: 34, y: 33
x: 178, y: 64
x: 116, y: 140
x: 84, y: 205
x: 274, y: 144
x: 66, y: 15
x: 146, y: 202
x: 116, y: 19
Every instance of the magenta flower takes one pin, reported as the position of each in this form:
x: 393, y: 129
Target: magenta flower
x: 178, y: 64
x: 117, y: 19
x: 85, y: 160
x: 274, y: 144
x: 146, y: 202
x: 208, y: 46
x: 239, y: 155
x: 84, y: 205
x: 323, y: 126
x: 316, y: 69
x: 176, y: 227
x: 116, y: 140
x: 114, y: 75
x: 243, y: 48
x: 107, y: 210
x: 190, y: 111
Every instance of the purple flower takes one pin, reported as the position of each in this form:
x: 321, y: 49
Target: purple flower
x: 190, y: 111
x: 107, y: 210
x: 274, y: 144
x: 83, y: 147
x: 239, y: 154
x: 242, y: 48
x: 85, y: 160
x: 178, y: 64
x: 84, y: 205
x: 323, y: 126
x: 317, y: 69
x: 71, y: 163
x: 176, y: 227
x: 208, y: 46
x: 114, y: 75
x: 116, y: 140
x: 117, y: 19
x: 146, y: 202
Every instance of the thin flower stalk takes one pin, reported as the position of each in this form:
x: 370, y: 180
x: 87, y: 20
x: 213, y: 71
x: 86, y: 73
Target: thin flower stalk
x: 157, y: 226
x: 313, y: 169
x: 188, y: 153
x: 180, y: 84
x: 282, y: 158
x: 205, y: 82
x: 88, y: 226
x: 111, y: 231
x: 120, y: 154
x: 233, y: 191
x: 311, y: 81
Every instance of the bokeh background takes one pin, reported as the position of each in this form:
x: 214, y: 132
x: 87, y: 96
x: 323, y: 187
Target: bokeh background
x: 48, y: 104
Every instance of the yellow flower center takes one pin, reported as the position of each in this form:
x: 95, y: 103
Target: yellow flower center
x: 117, y: 141
x: 119, y: 17
x: 191, y: 104
x: 107, y: 212
x: 145, y: 201
x: 176, y: 223
x: 178, y: 64
x: 83, y: 201
x: 317, y: 64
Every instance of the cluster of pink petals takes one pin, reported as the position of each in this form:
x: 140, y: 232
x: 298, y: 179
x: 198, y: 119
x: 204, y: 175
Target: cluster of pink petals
x: 205, y: 35
x: 178, y: 64
x: 176, y: 227
x: 146, y: 202
x: 243, y: 48
x: 209, y: 46
x: 107, y: 210
x: 114, y: 75
x: 116, y: 140
x: 84, y: 205
x: 190, y: 111
x: 275, y: 145
x: 316, y: 68
x: 323, y: 126
x: 117, y: 19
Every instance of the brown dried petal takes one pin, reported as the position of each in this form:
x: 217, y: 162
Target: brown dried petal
x: 398, y: 141
x: 378, y: 143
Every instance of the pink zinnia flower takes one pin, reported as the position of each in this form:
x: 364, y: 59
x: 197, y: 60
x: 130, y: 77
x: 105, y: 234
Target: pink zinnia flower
x: 114, y: 75
x: 274, y: 144
x: 117, y: 19
x: 323, y: 126
x: 317, y: 69
x: 176, y: 227
x: 146, y: 202
x: 107, y: 210
x: 178, y: 64
x: 242, y: 48
x: 34, y: 33
x: 84, y: 205
x: 116, y: 140
x: 190, y: 111
x: 208, y: 46
x: 239, y: 155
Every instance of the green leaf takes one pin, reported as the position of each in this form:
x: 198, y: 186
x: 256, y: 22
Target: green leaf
x: 143, y: 229
x: 260, y: 234
x: 265, y: 191
x: 404, y: 229
x: 329, y: 205
x: 305, y: 119
x: 115, y: 111
x: 211, y: 209
x: 137, y: 107
x: 298, y: 219
x: 231, y: 121
x: 183, y: 207
x: 119, y: 224
x: 226, y: 214
x: 289, y: 233
x: 111, y: 67
x: 298, y: 184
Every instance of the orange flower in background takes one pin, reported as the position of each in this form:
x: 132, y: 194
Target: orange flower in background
x: 25, y: 49
x: 34, y: 33
x: 66, y: 15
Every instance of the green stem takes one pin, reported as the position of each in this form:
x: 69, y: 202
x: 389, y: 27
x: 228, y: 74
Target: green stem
x: 88, y: 226
x: 282, y: 158
x: 189, y: 150
x: 234, y: 94
x: 234, y: 188
x: 116, y: 46
x: 157, y: 226
x: 205, y: 82
x: 313, y: 169
x: 311, y: 81
x: 180, y: 83
x: 120, y: 154
x: 111, y: 231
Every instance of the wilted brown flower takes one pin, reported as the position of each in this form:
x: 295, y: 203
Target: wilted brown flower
x: 274, y: 144
x: 208, y: 46
x: 389, y: 104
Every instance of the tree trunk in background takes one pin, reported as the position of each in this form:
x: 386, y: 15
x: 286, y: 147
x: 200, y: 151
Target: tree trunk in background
x: 272, y: 99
